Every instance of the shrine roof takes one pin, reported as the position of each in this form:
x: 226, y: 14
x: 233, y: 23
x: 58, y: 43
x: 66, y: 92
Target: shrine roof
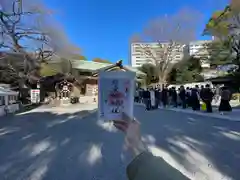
x: 88, y: 65
x: 96, y: 66
x: 4, y: 91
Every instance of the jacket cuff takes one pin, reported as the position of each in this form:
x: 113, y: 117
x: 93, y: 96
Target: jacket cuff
x: 138, y: 161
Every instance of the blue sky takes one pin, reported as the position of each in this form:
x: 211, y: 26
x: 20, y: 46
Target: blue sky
x: 102, y: 28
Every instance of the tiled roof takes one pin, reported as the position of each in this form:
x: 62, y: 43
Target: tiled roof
x: 88, y: 65
x: 94, y: 66
x: 4, y: 91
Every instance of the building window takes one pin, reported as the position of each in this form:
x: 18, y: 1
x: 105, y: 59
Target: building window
x: 137, y: 49
x: 2, y: 100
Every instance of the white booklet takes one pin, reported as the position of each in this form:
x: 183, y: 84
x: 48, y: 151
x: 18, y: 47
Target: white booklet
x: 115, y: 94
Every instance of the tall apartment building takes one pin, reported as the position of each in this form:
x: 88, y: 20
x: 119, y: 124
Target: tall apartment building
x: 199, y: 49
x: 139, y: 56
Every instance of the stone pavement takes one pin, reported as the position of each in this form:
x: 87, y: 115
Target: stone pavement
x: 71, y: 143
x: 201, y: 147
x: 231, y: 116
x: 71, y: 108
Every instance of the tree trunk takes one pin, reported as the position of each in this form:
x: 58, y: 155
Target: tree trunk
x: 162, y: 80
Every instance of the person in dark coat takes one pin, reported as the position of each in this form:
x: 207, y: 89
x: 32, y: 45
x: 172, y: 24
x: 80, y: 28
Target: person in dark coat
x: 140, y: 96
x: 208, y: 97
x: 202, y: 92
x: 188, y: 97
x: 170, y: 96
x: 225, y: 98
x: 136, y: 97
x: 157, y: 98
x: 178, y: 98
x: 174, y: 97
x: 146, y: 99
x: 195, y: 97
x: 182, y: 95
x: 164, y: 96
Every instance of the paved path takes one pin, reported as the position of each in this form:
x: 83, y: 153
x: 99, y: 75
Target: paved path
x: 199, y: 146
x: 234, y: 115
x: 65, y: 143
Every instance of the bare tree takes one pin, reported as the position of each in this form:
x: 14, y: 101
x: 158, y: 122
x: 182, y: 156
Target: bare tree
x: 170, y: 34
x: 27, y: 28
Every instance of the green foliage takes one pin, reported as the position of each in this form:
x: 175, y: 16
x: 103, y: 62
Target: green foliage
x: 220, y: 53
x: 66, y: 66
x: 235, y: 96
x: 218, y: 24
x: 47, y: 70
x: 151, y: 71
x: 186, y: 71
x: 227, y: 49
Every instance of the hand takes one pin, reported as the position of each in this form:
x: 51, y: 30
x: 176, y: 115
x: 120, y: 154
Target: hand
x: 131, y: 128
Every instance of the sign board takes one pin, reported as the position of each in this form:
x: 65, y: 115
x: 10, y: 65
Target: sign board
x: 91, y: 89
x: 35, y: 96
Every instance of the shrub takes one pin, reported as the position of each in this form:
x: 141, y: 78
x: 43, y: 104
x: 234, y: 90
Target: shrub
x: 235, y: 96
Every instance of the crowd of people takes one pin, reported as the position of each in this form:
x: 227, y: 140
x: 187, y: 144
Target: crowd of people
x: 183, y: 97
x: 143, y: 161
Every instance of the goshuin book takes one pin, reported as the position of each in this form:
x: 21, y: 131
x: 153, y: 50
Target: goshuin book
x: 115, y: 94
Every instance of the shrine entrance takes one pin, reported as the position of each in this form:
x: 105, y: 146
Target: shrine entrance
x: 64, y: 93
x: 64, y: 90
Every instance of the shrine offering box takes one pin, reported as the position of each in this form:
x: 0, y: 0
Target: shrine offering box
x: 115, y: 94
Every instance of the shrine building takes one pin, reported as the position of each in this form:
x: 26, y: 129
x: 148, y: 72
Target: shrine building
x: 85, y: 78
